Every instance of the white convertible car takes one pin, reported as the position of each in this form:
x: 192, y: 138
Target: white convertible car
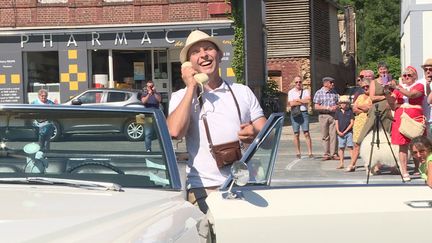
x: 100, y: 187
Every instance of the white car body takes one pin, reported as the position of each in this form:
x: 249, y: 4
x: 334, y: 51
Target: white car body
x: 323, y: 214
x: 67, y: 214
x: 111, y: 190
x: 91, y: 188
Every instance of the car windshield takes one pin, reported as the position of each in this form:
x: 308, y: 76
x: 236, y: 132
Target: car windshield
x: 88, y: 144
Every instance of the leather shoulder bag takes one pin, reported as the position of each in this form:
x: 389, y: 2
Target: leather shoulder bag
x: 226, y: 153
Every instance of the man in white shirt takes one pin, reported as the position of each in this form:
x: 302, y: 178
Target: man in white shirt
x: 298, y: 96
x: 218, y: 104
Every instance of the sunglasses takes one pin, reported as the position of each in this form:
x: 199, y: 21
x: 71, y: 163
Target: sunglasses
x: 298, y: 82
x: 427, y: 69
x: 365, y: 87
x: 407, y: 75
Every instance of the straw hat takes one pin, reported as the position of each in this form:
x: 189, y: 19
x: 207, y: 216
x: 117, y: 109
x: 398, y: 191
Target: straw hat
x: 428, y: 62
x: 344, y: 99
x: 197, y: 36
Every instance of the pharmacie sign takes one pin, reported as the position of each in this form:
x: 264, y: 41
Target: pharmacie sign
x: 118, y: 39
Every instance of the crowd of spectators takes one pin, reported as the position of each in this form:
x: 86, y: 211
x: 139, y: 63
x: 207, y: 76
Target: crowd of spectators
x: 379, y: 99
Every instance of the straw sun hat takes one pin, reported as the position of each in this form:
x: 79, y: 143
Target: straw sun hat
x: 194, y: 37
x: 344, y: 99
x: 428, y: 62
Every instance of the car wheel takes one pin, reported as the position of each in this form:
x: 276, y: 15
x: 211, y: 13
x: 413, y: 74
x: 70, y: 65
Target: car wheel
x: 57, y: 131
x: 134, y: 131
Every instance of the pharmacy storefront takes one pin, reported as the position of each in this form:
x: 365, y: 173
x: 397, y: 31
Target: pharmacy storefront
x: 67, y: 62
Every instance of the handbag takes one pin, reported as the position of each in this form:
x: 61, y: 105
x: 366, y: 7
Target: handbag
x: 295, y: 110
x: 411, y: 127
x: 226, y: 153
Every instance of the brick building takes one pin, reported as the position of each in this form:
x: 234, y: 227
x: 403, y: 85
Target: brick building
x: 303, y: 38
x: 68, y: 46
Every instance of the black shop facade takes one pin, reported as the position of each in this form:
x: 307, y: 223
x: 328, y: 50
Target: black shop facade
x: 69, y: 61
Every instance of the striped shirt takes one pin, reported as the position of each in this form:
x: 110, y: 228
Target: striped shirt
x: 325, y: 97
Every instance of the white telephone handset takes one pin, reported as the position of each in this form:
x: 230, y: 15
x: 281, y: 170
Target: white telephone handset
x: 201, y: 78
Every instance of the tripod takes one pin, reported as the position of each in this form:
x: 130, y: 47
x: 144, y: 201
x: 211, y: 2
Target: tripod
x: 375, y: 132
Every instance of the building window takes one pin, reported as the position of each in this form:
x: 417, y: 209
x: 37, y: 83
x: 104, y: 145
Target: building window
x: 117, y: 1
x: 160, y: 64
x: 52, y: 1
x: 131, y: 68
x: 43, y: 74
x: 99, y: 62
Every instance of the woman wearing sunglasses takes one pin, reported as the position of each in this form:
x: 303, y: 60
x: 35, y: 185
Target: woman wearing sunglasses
x: 361, y: 107
x: 407, y: 98
x: 376, y: 93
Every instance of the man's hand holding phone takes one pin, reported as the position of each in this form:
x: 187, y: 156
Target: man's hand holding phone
x: 191, y: 76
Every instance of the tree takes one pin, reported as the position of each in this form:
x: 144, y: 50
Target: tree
x: 377, y: 33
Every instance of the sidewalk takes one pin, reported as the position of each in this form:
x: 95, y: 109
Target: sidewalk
x: 314, y: 131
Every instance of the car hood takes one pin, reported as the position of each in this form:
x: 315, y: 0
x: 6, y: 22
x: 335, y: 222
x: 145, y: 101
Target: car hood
x: 66, y: 214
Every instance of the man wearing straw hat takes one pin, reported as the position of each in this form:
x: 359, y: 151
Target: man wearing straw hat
x: 426, y: 81
x: 231, y: 110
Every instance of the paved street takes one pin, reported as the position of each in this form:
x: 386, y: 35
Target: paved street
x: 290, y: 170
x: 306, y: 171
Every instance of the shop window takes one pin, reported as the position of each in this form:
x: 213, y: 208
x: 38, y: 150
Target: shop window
x: 177, y: 81
x: 43, y: 73
x: 40, y: 73
x: 160, y: 64
x: 52, y: 1
x: 117, y: 1
x: 99, y: 61
x: 131, y: 68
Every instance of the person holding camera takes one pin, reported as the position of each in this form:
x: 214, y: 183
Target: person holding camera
x: 405, y: 100
x: 151, y: 99
x: 220, y: 114
x: 376, y: 93
x: 426, y: 81
x: 298, y: 99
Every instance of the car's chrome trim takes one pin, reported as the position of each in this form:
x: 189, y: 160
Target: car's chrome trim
x: 271, y: 122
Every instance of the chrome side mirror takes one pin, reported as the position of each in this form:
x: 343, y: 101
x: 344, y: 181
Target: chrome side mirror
x: 240, y: 174
x: 76, y: 102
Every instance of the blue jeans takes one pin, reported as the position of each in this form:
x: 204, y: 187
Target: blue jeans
x: 346, y: 140
x: 300, y: 121
x: 148, y: 134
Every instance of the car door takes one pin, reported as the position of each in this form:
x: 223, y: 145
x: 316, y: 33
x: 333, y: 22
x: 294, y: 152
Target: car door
x: 93, y: 97
x: 336, y: 213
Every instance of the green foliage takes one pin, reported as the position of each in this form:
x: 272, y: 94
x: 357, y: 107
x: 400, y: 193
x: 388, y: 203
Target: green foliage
x: 270, y: 89
x: 238, y: 42
x: 392, y: 62
x: 380, y: 37
x: 378, y: 30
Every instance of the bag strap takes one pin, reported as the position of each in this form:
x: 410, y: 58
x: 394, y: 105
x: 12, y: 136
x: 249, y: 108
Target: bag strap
x: 207, y: 130
x: 420, y: 117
